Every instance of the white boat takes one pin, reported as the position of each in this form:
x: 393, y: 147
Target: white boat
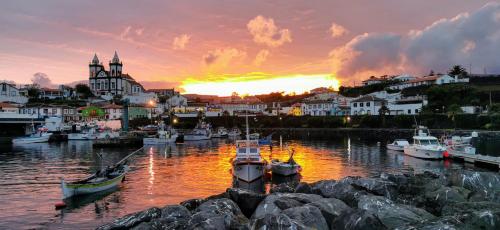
x: 162, y: 137
x: 424, y: 145
x: 248, y: 165
x: 221, y: 132
x: 38, y: 137
x: 254, y: 136
x: 235, y: 132
x: 88, y: 133
x: 286, y: 168
x: 398, y: 145
x: 457, y: 145
x: 201, y: 132
x: 107, y: 134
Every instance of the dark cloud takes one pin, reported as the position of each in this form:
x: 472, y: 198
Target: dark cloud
x: 469, y: 38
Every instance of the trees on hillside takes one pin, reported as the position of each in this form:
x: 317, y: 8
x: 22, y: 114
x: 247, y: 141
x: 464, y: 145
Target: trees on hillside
x: 83, y: 91
x: 458, y: 70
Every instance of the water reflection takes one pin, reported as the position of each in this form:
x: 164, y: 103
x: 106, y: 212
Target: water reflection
x: 166, y: 174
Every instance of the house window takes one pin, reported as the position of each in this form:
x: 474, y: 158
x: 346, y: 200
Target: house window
x: 355, y: 104
x: 361, y: 104
x: 416, y: 110
x: 92, y: 86
x: 54, y: 111
x: 112, y: 85
x: 367, y: 103
x: 98, y: 86
x: 409, y: 111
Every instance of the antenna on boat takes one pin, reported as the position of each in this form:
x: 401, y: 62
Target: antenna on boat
x: 246, y: 122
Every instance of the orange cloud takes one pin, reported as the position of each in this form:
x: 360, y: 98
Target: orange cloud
x: 261, y: 57
x: 337, y: 30
x: 264, y: 31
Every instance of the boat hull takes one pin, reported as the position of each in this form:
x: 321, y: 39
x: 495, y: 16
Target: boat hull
x: 70, y: 190
x: 424, y: 153
x: 285, y: 170
x: 395, y: 147
x: 248, y: 171
x: 159, y: 141
x: 80, y: 137
x: 188, y: 137
x: 29, y: 140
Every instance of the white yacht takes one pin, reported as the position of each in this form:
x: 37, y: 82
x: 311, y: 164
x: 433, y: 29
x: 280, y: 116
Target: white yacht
x: 36, y: 137
x: 398, y: 145
x: 457, y: 145
x: 87, y: 133
x: 221, y: 132
x: 164, y: 136
x: 235, y: 132
x: 424, y: 145
x: 201, y: 132
x: 248, y: 165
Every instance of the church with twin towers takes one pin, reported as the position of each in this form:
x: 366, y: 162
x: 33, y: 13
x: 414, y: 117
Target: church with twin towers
x: 113, y: 81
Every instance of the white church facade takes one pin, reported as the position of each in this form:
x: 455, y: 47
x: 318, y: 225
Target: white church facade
x: 113, y: 81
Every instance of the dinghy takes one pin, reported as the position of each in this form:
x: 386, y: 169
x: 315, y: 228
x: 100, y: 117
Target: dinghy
x: 102, y: 180
x: 286, y: 168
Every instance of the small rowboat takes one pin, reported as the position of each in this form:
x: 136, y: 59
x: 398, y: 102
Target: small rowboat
x: 102, y: 180
x: 286, y: 168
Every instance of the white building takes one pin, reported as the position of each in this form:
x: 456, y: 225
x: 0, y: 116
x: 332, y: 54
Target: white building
x: 389, y: 97
x: 112, y: 82
x: 366, y: 105
x: 317, y: 107
x: 113, y: 111
x: 372, y: 80
x: 142, y: 98
x: 9, y: 93
x: 177, y: 100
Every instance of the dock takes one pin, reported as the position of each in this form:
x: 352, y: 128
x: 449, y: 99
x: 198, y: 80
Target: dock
x: 477, y: 158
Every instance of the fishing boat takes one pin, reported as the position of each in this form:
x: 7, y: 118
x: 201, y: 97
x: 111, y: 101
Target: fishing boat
x: 286, y: 168
x: 87, y: 133
x: 201, y: 132
x: 162, y: 137
x: 36, y: 137
x: 234, y: 132
x: 102, y: 180
x: 221, y: 132
x: 424, y: 145
x: 456, y: 145
x: 107, y: 133
x: 248, y: 165
x: 398, y: 145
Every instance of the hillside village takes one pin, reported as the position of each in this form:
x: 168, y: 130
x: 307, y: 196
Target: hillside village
x: 107, y: 90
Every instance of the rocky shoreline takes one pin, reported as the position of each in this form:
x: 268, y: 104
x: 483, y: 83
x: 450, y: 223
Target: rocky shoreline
x: 455, y: 199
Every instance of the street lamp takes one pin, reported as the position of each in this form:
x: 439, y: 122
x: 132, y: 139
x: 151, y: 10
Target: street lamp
x: 151, y: 106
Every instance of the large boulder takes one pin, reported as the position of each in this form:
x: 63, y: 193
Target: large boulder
x: 309, y: 216
x: 434, y: 201
x: 192, y: 204
x: 485, y: 186
x: 342, y: 190
x: 454, y: 208
x: 132, y: 220
x: 172, y: 217
x: 218, y: 214
x: 392, y: 214
x: 276, y: 221
x: 303, y: 187
x: 377, y: 186
x: 330, y: 208
x: 288, y: 187
x: 268, y: 205
x: 357, y: 220
x: 245, y: 199
x: 443, y: 223
x: 284, y: 203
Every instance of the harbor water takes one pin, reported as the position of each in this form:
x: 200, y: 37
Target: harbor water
x: 169, y: 174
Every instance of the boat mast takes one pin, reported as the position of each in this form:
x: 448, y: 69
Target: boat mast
x: 246, y: 121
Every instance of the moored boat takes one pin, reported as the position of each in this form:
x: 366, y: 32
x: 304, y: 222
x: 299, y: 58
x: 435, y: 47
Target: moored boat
x: 285, y: 168
x: 424, y: 145
x: 248, y: 165
x: 102, y: 180
x: 398, y: 145
x: 201, y: 132
x: 162, y: 137
x: 39, y: 137
x: 221, y: 132
x: 87, y: 133
x: 234, y: 132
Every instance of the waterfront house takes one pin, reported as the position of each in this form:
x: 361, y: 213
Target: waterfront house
x: 366, y: 105
x: 51, y: 94
x: 317, y: 107
x: 142, y: 98
x: 296, y: 110
x: 70, y: 114
x: 112, y: 111
x: 8, y: 108
x: 191, y: 109
x: 9, y: 93
x: 176, y: 100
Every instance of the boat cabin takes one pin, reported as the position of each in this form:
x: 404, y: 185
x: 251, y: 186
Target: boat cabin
x: 248, y: 149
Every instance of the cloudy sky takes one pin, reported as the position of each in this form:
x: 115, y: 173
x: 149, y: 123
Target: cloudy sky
x: 170, y: 43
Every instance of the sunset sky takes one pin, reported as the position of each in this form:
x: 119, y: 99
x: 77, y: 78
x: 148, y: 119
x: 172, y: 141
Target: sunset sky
x: 208, y: 46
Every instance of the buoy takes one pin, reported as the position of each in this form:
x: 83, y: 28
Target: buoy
x: 60, y: 205
x: 446, y: 154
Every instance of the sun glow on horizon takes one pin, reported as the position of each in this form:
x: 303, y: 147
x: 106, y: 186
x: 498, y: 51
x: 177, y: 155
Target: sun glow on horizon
x: 263, y: 84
